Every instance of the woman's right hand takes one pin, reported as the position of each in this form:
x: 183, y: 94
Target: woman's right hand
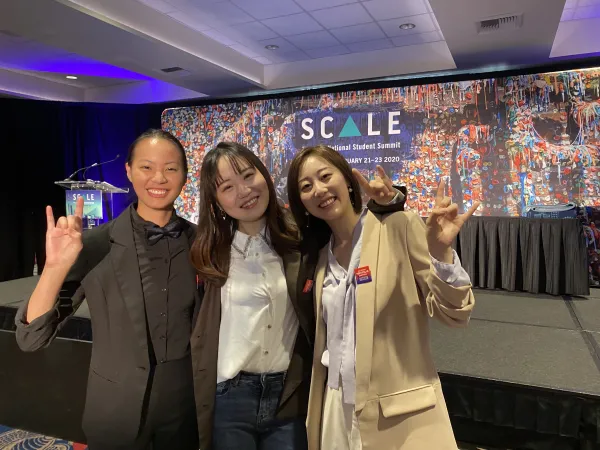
x: 63, y: 239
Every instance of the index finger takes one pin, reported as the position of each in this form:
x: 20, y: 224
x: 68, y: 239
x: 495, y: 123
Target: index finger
x: 386, y: 180
x: 364, y: 184
x: 471, y: 210
x: 50, y: 218
x: 79, y: 208
x: 439, y: 196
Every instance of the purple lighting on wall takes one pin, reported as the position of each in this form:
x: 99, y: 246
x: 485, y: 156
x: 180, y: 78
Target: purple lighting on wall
x: 80, y: 67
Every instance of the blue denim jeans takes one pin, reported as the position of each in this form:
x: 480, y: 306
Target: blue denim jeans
x: 245, y: 410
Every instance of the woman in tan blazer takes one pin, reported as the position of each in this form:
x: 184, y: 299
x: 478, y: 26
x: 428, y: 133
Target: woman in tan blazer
x: 378, y: 281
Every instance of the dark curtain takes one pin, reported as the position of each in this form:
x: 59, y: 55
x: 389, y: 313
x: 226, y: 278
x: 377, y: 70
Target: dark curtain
x: 99, y: 132
x: 43, y: 142
x: 520, y: 254
x: 32, y: 159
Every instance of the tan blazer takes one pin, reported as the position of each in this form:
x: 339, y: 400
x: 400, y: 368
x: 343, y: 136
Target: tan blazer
x: 399, y: 401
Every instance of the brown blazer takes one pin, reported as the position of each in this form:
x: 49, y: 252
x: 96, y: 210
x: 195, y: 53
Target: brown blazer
x: 205, y: 343
x: 399, y: 401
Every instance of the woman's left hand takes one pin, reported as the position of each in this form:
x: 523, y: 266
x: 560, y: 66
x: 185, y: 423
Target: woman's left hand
x: 443, y: 225
x: 380, y: 190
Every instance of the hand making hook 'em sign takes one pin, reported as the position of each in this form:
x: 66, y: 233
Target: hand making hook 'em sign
x: 380, y: 189
x: 444, y: 223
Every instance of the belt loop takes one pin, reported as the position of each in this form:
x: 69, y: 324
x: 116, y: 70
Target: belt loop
x: 236, y: 380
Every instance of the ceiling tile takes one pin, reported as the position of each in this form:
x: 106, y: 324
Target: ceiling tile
x: 293, y: 56
x: 284, y: 45
x: 424, y: 23
x: 266, y: 9
x: 159, y: 5
x: 588, y: 2
x: 586, y: 12
x: 370, y: 46
x: 358, y: 33
x: 328, y: 51
x: 567, y: 15
x: 256, y: 31
x: 342, y: 16
x: 570, y: 4
x: 390, y: 9
x: 295, y: 24
x: 219, y: 37
x: 189, y: 20
x: 245, y: 50
x: 311, y: 5
x: 226, y: 12
x: 313, y: 40
x: 421, y: 38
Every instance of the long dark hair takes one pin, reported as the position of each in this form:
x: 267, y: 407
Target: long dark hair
x: 310, y: 226
x: 154, y: 133
x: 210, y: 252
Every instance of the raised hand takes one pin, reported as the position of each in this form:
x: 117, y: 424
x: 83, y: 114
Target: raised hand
x: 443, y: 225
x: 63, y: 239
x: 380, y: 190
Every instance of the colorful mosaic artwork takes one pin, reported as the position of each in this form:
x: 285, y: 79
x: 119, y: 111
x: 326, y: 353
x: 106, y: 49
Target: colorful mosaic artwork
x: 511, y: 143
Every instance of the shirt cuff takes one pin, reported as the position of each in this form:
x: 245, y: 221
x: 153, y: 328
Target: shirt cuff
x: 453, y: 274
x: 38, y: 323
x: 399, y: 197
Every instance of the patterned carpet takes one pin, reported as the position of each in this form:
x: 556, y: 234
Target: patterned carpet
x: 11, y: 439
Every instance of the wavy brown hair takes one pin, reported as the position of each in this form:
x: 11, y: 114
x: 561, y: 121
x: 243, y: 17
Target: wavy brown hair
x: 210, y: 252
x: 312, y: 228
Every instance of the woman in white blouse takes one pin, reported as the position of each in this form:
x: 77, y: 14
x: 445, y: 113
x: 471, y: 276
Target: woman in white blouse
x: 378, y: 280
x: 254, y: 332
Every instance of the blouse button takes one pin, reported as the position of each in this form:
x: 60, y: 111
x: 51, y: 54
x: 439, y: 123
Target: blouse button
x: 269, y: 327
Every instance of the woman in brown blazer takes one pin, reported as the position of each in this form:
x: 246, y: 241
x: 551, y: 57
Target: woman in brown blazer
x: 378, y: 281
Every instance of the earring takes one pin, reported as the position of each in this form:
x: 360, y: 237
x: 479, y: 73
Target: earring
x: 351, y: 196
x: 307, y: 219
x: 223, y: 215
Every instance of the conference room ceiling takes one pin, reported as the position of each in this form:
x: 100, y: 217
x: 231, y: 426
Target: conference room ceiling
x: 157, y: 50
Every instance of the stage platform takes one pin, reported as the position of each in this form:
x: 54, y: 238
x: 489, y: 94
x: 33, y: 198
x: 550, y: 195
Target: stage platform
x: 525, y: 374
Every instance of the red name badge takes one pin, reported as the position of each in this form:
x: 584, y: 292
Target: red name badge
x: 363, y: 275
x: 307, y: 286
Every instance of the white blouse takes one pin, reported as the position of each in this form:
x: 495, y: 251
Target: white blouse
x: 258, y: 322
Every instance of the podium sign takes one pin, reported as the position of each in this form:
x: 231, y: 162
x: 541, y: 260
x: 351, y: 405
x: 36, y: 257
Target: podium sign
x: 92, y: 203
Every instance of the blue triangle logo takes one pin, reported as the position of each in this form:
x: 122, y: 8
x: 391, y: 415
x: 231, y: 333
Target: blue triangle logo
x: 350, y: 129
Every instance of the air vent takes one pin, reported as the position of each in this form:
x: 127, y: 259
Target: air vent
x: 500, y: 24
x: 171, y: 69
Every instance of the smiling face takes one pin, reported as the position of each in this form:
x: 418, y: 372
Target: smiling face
x: 156, y: 173
x: 324, y: 190
x: 242, y: 191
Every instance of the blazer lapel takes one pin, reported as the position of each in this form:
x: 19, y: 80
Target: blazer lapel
x: 190, y: 232
x: 365, y: 308
x: 127, y: 271
x: 294, y: 277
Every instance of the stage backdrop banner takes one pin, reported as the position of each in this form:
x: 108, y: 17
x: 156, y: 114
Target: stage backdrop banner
x: 510, y: 143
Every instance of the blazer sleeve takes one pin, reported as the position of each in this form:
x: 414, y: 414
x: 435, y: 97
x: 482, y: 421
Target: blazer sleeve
x: 395, y: 205
x: 451, y: 305
x: 42, y: 331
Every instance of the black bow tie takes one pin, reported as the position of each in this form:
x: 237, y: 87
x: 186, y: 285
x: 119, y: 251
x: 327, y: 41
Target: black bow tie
x: 154, y: 233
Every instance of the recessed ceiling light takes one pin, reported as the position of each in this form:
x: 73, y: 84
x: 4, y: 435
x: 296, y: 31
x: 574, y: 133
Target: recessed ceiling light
x: 71, y: 77
x: 271, y: 47
x: 407, y: 26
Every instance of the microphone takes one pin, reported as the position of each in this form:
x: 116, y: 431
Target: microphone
x: 70, y: 177
x: 98, y: 164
